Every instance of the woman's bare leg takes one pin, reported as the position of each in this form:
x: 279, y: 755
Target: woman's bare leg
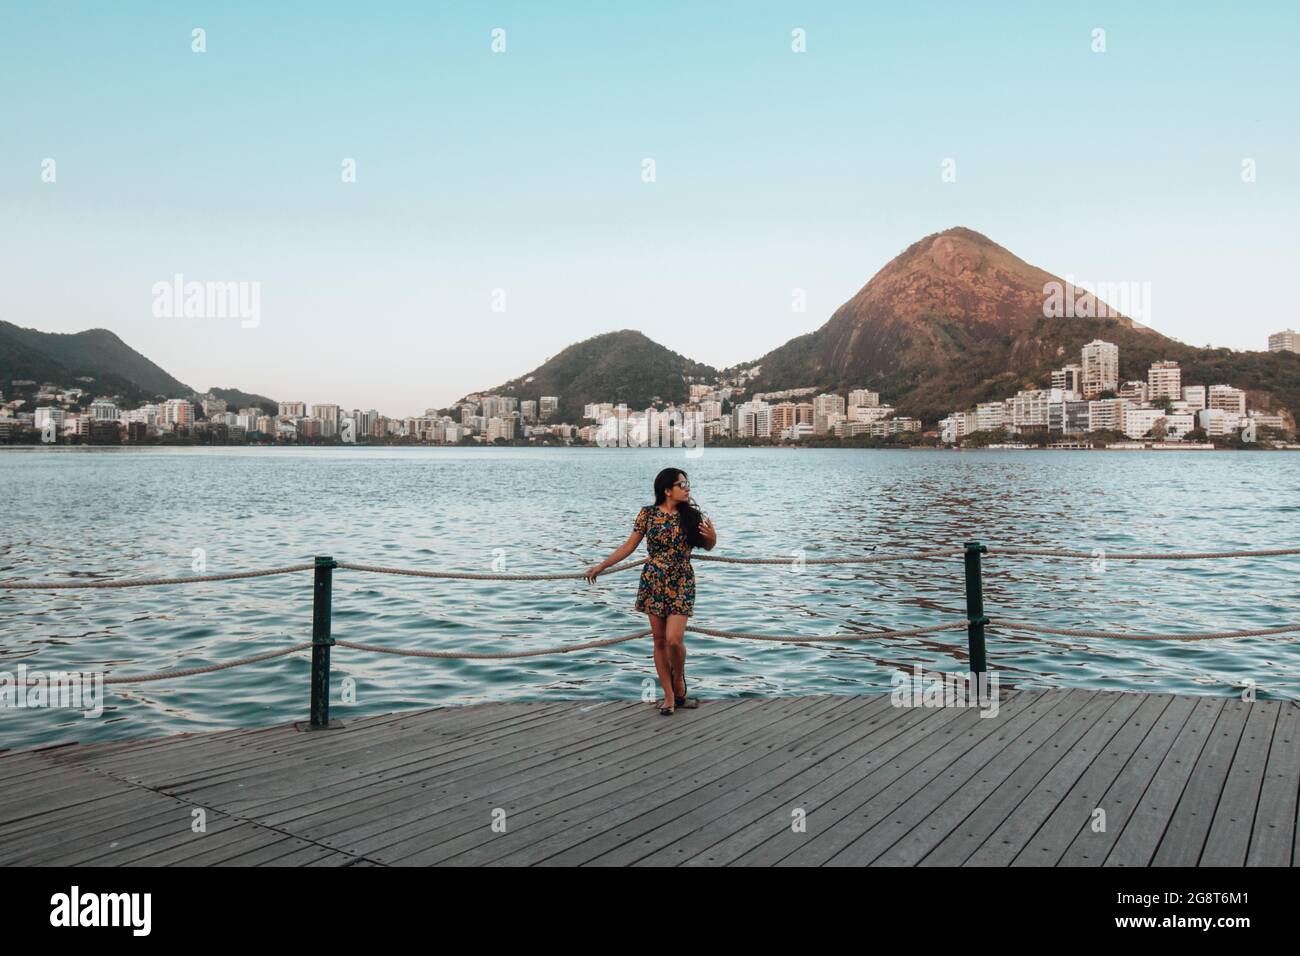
x: 663, y: 664
x: 675, y: 635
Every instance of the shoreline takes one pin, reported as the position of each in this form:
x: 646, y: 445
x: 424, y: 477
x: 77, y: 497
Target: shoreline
x: 661, y: 448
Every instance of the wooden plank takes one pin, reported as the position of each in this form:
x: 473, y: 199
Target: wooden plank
x: 217, y: 760
x: 468, y: 841
x: 455, y: 801
x: 1141, y: 834
x: 152, y: 762
x: 1008, y: 824
x: 940, y: 781
x: 1273, y: 838
x: 156, y: 830
x: 937, y: 727
x: 68, y: 830
x: 121, y: 802
x: 1209, y: 780
x: 856, y: 811
x: 271, y: 854
x: 719, y: 809
x: 993, y: 794
x: 513, y: 779
x: 206, y: 849
x: 314, y: 855
x: 771, y: 818
x: 1073, y: 811
x: 609, y: 828
x: 1185, y: 833
x: 381, y: 782
x: 885, y: 733
x: 1091, y: 847
x: 1228, y: 842
x: 796, y: 782
x: 71, y: 791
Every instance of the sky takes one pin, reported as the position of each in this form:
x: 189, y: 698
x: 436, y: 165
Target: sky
x: 501, y: 207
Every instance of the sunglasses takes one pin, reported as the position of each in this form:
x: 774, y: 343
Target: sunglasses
x: 684, y: 485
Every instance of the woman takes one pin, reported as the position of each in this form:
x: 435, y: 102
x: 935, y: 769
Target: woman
x: 672, y: 526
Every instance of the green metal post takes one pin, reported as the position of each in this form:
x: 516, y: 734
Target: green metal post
x: 975, y: 606
x: 322, y: 600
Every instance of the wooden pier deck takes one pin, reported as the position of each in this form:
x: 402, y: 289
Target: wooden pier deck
x: 1208, y: 781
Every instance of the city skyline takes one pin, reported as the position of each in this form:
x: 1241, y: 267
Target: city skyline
x: 523, y: 171
x: 1084, y: 399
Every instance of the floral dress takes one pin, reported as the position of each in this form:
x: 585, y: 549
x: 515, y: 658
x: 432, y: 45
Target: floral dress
x: 667, y: 579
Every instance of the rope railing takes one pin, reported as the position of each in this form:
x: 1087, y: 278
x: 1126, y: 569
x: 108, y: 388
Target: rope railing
x: 491, y: 655
x: 1128, y: 556
x: 205, y: 669
x: 708, y: 631
x: 480, y: 576
x: 149, y: 582
x: 1128, y: 636
x: 538, y: 652
x: 804, y: 639
x: 922, y: 555
x: 975, y: 621
x: 852, y: 559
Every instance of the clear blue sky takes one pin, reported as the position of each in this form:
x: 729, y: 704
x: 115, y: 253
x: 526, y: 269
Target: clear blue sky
x: 522, y: 171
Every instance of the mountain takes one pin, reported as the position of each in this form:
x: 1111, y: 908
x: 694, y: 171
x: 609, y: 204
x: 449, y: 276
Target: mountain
x: 96, y: 353
x: 956, y: 319
x: 623, y: 366
x: 235, y: 400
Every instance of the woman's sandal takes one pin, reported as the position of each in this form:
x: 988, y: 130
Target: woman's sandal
x: 666, y: 711
x: 684, y: 700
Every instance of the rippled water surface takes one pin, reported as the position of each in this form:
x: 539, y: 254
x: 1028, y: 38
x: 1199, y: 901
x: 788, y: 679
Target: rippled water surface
x: 130, y: 512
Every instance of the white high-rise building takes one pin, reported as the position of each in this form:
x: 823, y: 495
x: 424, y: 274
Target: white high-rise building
x: 753, y: 420
x: 1029, y: 407
x: 1139, y: 421
x: 500, y: 428
x: 1178, y: 425
x: 868, y: 413
x: 990, y: 415
x: 293, y: 410
x: 329, y: 419
x: 102, y: 410
x: 1227, y: 398
x: 1165, y: 380
x: 1069, y: 379
x: 145, y: 415
x: 43, y: 415
x: 1069, y: 417
x: 1286, y: 341
x: 549, y: 405
x: 1108, y: 414
x: 863, y: 397
x: 1218, y: 422
x: 176, y: 411
x: 1100, y: 368
x: 825, y: 408
x: 1194, y: 395
x: 1135, y: 391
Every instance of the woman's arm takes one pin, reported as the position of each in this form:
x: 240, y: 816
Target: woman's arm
x: 627, y: 548
x: 708, y: 534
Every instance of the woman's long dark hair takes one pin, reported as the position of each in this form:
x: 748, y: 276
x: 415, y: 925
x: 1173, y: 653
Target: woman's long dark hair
x: 689, y: 511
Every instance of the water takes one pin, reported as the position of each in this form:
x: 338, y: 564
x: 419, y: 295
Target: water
x: 138, y: 512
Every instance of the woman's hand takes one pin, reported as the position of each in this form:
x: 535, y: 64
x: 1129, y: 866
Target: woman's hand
x: 710, y: 536
x: 592, y: 571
